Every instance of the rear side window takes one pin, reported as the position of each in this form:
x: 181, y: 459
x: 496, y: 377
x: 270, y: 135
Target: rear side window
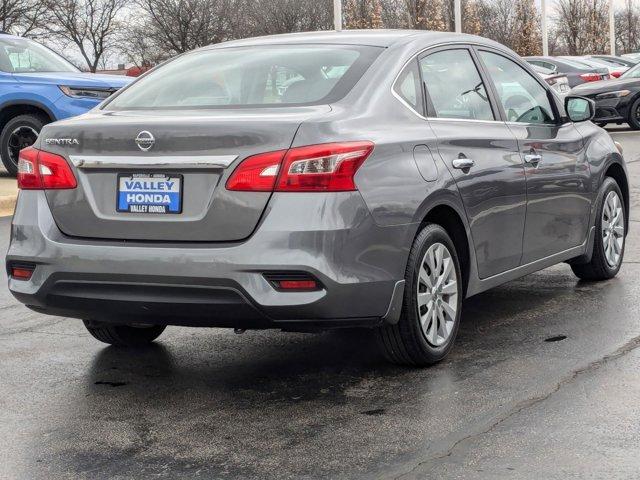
x: 454, y: 86
x: 523, y: 98
x: 407, y: 87
x: 270, y: 75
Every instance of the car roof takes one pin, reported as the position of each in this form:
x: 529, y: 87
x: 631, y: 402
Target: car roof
x: 7, y: 35
x: 376, y: 38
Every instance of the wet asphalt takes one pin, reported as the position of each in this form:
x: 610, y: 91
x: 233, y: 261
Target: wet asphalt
x: 543, y: 382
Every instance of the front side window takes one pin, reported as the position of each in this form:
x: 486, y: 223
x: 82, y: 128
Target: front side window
x: 270, y: 75
x: 407, y: 87
x: 454, y: 86
x: 524, y: 100
x: 19, y: 55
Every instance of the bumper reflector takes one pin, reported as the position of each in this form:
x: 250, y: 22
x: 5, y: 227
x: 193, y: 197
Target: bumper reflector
x: 22, y: 272
x: 298, y: 284
x: 292, y: 281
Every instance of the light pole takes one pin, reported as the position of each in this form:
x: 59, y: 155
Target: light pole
x: 612, y: 28
x: 457, y: 8
x: 337, y: 15
x: 545, y: 29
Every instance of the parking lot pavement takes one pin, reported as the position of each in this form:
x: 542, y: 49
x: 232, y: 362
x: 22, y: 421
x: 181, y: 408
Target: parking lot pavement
x: 542, y: 383
x: 8, y: 193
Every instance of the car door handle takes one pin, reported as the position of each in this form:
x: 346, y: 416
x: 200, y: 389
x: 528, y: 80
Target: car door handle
x: 533, y: 159
x: 463, y: 163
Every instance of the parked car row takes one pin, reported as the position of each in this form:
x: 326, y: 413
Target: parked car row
x: 612, y: 82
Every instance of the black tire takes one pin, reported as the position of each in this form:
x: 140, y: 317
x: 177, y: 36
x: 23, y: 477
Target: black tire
x: 405, y: 343
x: 598, y: 268
x: 602, y: 124
x: 27, y: 123
x: 123, y: 335
x: 634, y: 115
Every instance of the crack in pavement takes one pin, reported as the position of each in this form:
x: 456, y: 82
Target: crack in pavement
x: 530, y: 402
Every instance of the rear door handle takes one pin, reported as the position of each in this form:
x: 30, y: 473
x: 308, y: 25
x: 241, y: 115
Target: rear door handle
x: 463, y: 163
x: 533, y: 159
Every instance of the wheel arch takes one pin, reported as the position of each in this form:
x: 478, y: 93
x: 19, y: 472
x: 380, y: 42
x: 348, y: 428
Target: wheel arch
x: 451, y: 220
x: 616, y: 171
x: 9, y: 110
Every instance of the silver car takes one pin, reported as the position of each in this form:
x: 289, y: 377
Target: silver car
x: 315, y: 181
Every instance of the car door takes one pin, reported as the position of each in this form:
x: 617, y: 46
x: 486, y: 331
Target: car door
x: 555, y: 165
x: 482, y: 154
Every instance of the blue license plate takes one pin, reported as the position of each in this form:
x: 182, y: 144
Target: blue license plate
x: 149, y: 193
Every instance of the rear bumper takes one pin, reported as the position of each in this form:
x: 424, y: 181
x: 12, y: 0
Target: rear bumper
x: 359, y: 264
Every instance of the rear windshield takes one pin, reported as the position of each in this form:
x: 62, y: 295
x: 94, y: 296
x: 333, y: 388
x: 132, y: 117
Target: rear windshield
x: 270, y: 75
x: 577, y: 64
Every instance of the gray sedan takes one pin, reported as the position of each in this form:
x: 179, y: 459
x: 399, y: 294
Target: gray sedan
x: 314, y: 181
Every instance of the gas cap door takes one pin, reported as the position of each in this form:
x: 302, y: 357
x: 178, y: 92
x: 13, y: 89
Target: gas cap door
x: 425, y: 162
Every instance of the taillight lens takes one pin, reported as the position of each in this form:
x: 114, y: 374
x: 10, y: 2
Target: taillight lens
x: 328, y: 167
x: 591, y: 77
x: 257, y: 173
x: 616, y: 74
x: 39, y: 170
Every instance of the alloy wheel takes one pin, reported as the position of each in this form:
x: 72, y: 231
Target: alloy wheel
x: 612, y: 229
x: 437, y: 294
x: 20, y: 138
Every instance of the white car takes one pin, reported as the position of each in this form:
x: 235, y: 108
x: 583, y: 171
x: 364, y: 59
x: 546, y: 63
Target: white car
x: 558, y: 81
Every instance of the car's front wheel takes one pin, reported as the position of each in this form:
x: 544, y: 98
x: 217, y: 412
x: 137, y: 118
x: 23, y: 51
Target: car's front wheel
x: 432, y: 304
x: 123, y: 335
x: 19, y: 132
x: 634, y: 115
x: 608, y: 245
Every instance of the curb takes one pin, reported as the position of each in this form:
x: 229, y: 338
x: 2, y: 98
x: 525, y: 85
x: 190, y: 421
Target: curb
x: 7, y: 204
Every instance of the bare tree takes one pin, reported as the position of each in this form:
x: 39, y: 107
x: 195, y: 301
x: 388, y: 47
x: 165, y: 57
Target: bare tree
x: 91, y: 25
x: 426, y: 14
x: 267, y: 17
x: 582, y: 25
x: 393, y: 14
x: 628, y: 27
x: 21, y: 17
x: 177, y: 26
x: 363, y: 14
x: 514, y: 23
x: 138, y: 48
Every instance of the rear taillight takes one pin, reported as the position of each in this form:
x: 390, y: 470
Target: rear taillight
x: 328, y: 167
x: 39, y: 170
x: 257, y: 173
x: 616, y: 74
x: 591, y: 77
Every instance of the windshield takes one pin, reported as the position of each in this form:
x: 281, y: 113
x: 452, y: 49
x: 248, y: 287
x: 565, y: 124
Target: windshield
x: 270, y: 75
x: 19, y: 55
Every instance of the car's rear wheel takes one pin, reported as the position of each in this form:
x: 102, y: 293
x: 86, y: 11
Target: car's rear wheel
x: 19, y: 132
x: 634, y: 115
x: 124, y: 335
x: 432, y: 304
x: 609, y: 242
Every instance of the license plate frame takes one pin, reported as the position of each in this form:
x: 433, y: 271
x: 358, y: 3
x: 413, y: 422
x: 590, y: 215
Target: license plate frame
x: 150, y: 207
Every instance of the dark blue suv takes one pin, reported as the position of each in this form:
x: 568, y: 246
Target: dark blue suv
x: 37, y: 87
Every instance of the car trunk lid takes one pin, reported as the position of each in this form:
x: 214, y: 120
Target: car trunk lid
x: 190, y: 158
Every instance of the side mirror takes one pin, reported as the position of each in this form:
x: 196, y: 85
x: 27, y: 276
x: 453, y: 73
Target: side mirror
x: 579, y: 109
